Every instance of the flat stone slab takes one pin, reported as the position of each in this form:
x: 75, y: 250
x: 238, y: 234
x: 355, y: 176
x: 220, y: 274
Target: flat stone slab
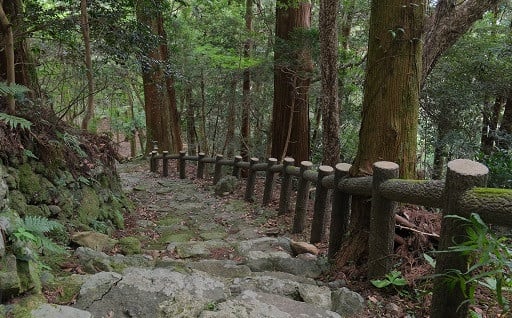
x: 56, y: 311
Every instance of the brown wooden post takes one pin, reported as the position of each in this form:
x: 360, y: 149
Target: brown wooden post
x: 340, y: 211
x: 236, y: 168
x: 299, y: 220
x: 269, y: 181
x: 182, y: 164
x: 200, y: 165
x: 251, y: 181
x: 461, y: 175
x: 153, y: 164
x: 165, y: 164
x: 319, y: 221
x: 286, y: 187
x: 382, y: 222
x: 218, y: 169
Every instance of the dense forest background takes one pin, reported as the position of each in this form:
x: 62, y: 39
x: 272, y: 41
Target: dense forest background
x: 204, y: 75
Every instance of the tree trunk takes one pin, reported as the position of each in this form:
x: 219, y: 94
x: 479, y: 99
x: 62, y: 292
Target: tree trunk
x: 203, y: 141
x: 229, y: 143
x: 292, y: 76
x: 191, y: 124
x: 174, y: 116
x: 390, y: 104
x: 9, y: 55
x: 451, y: 20
x: 329, y: 69
x: 505, y: 141
x: 246, y: 86
x: 84, y: 25
x: 490, y: 119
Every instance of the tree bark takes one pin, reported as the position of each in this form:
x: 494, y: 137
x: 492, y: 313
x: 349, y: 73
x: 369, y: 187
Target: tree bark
x: 84, y: 25
x: 246, y: 86
x: 290, y: 113
x: 448, y: 23
x: 505, y: 131
x: 390, y: 105
x: 9, y: 55
x: 329, y: 69
x: 490, y: 126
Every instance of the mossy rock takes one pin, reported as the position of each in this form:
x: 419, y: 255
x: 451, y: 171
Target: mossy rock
x: 17, y: 202
x: 29, y: 274
x: 29, y: 183
x: 169, y: 220
x: 24, y: 307
x: 130, y: 245
x: 89, y: 209
x: 38, y: 210
x: 172, y: 237
x: 66, y: 201
x: 68, y: 288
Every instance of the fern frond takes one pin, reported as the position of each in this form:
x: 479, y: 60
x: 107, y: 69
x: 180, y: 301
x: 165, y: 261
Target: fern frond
x: 12, y: 89
x: 15, y: 121
x: 51, y: 247
x: 39, y: 225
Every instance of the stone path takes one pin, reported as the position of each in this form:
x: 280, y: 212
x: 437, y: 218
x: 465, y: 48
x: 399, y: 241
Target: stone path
x: 208, y: 259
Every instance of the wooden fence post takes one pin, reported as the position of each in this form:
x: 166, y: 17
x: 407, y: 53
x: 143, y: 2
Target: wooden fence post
x: 251, y: 180
x: 319, y: 216
x: 165, y: 163
x: 236, y: 168
x: 200, y: 165
x: 182, y: 164
x: 218, y: 169
x: 299, y: 220
x: 153, y: 163
x: 286, y: 187
x: 340, y: 211
x: 382, y: 222
x: 269, y: 181
x: 461, y: 175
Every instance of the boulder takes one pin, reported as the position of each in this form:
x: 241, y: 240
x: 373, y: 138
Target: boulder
x: 262, y: 305
x: 346, y: 302
x: 93, y: 240
x: 10, y: 284
x: 303, y: 248
x: 56, y: 311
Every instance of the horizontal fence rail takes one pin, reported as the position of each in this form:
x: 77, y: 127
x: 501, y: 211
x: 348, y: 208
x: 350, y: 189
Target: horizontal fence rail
x: 461, y: 193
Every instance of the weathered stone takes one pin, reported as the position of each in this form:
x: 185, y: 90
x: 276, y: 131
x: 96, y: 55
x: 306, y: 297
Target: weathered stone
x: 303, y: 247
x: 221, y: 268
x: 95, y: 287
x: 259, y: 261
x: 316, y: 295
x: 54, y: 210
x: 147, y: 292
x: 56, y: 311
x: 9, y: 279
x: 196, y: 249
x: 263, y: 305
x: 346, y: 302
x: 93, y: 261
x: 93, y: 240
x: 130, y: 245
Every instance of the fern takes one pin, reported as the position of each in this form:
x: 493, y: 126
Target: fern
x: 12, y: 89
x: 72, y: 142
x: 39, y: 225
x: 15, y: 121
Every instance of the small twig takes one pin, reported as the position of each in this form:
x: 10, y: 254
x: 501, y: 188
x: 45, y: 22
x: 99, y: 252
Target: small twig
x: 417, y: 231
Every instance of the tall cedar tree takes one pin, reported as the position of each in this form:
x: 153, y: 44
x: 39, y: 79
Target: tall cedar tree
x: 396, y: 69
x: 292, y: 77
x: 162, y: 121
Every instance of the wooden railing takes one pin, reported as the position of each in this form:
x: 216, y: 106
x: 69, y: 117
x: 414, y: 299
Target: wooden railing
x: 457, y: 195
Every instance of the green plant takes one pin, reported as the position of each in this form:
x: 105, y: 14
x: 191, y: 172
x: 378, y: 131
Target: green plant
x: 29, y: 239
x: 393, y: 278
x: 15, y: 121
x: 12, y: 89
x: 500, y: 168
x: 72, y: 142
x: 489, y: 262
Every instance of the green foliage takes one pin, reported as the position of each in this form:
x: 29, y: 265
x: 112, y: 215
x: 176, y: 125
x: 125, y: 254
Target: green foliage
x: 15, y: 121
x: 394, y: 279
x: 13, y: 89
x: 500, y: 168
x: 489, y: 265
x: 72, y: 142
x: 29, y: 237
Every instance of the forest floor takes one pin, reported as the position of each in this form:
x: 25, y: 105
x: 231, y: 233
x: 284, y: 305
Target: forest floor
x: 417, y: 234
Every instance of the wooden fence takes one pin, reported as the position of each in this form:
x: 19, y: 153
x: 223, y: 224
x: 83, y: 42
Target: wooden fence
x: 460, y: 194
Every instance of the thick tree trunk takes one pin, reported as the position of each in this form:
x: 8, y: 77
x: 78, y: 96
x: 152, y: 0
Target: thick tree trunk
x: 191, y: 124
x: 290, y: 114
x: 229, y: 142
x: 390, y: 105
x: 329, y: 69
x: 84, y: 25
